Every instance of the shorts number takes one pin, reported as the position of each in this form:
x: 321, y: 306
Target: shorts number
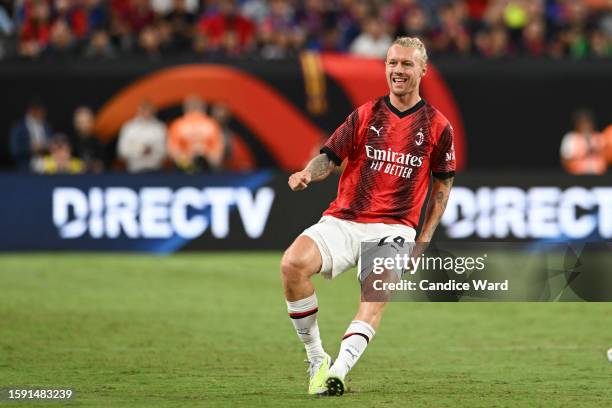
x: 398, y: 240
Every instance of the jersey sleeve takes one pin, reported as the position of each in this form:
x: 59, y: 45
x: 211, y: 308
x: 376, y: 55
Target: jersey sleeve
x: 342, y: 141
x: 443, y: 155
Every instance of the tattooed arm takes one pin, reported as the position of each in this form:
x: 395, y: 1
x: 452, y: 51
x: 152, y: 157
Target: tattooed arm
x: 318, y: 169
x: 435, y: 208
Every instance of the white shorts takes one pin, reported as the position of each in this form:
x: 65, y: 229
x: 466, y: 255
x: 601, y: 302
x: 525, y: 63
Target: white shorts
x: 339, y: 241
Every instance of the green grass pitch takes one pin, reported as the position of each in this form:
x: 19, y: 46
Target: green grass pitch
x: 211, y: 330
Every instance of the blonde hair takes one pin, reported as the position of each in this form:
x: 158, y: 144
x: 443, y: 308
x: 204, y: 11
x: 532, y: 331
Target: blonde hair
x: 413, y: 42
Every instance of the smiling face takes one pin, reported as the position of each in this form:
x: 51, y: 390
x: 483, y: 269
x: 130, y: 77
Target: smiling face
x: 404, y: 69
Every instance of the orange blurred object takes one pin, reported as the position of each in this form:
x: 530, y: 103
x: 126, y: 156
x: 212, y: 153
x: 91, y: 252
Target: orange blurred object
x: 584, y: 154
x: 192, y: 135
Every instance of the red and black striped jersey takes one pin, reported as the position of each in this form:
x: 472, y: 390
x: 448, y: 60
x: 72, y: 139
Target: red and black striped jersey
x: 390, y: 156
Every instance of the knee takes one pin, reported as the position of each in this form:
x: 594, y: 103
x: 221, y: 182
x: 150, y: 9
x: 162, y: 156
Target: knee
x: 293, y: 267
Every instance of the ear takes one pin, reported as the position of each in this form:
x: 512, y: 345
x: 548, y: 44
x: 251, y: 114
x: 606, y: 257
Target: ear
x: 424, y: 70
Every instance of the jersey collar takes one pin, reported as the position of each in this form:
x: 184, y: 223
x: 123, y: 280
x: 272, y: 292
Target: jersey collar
x: 407, y: 112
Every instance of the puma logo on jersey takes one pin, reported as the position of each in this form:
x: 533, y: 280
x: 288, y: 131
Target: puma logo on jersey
x: 376, y: 130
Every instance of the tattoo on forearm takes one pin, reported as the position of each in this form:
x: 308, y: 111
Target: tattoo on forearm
x: 436, y: 209
x: 440, y: 202
x: 320, y: 167
x: 448, y: 182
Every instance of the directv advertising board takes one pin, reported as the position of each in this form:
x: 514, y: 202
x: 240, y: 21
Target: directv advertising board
x: 166, y: 213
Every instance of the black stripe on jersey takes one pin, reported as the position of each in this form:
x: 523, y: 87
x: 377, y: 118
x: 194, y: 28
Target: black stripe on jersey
x: 405, y: 113
x: 443, y: 175
x: 332, y: 156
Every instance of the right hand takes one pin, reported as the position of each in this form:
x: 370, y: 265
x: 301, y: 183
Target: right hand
x: 300, y: 180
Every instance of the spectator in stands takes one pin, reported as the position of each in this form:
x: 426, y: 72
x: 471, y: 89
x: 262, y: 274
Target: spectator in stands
x: 29, y: 138
x: 7, y: 28
x: 534, y: 38
x: 181, y: 20
x: 100, y: 47
x: 97, y: 14
x: 134, y: 14
x: 35, y: 28
x: 396, y: 11
x: 167, y: 44
x: 350, y: 22
x: 149, y: 43
x: 274, y: 31
x: 6, y: 25
x: 281, y: 28
x: 274, y: 44
x: 167, y: 7
x: 373, y: 41
x: 128, y: 18
x: 59, y: 160
x: 74, y: 15
x: 61, y: 42
x: 195, y: 141
x: 452, y: 34
x: 199, y: 45
x: 230, y: 45
x: 601, y: 45
x: 583, y: 149
x: 227, y: 27
x: 493, y: 43
x: 142, y: 141
x: 414, y: 24
x: 87, y: 146
x: 318, y: 20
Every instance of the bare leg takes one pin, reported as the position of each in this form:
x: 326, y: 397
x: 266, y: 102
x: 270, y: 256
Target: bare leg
x: 371, y: 313
x: 300, y: 262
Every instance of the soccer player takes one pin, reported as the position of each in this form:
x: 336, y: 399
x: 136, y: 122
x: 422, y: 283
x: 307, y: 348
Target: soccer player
x: 391, y: 145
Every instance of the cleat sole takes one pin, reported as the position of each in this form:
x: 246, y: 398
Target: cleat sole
x: 335, y: 387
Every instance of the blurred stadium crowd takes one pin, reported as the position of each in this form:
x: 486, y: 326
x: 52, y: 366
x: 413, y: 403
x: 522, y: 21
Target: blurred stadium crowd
x: 198, y: 141
x: 274, y: 29
x: 201, y: 140
x: 46, y: 30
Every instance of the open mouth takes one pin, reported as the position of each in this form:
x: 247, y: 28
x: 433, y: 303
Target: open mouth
x: 398, y: 80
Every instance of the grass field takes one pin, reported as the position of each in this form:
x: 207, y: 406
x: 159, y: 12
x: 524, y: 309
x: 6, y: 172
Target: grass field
x: 211, y: 330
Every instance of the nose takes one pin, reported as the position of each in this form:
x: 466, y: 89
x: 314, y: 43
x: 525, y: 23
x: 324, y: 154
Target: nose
x: 398, y: 70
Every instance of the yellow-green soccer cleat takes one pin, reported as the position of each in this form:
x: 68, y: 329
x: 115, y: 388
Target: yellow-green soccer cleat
x: 334, y: 386
x: 318, y: 372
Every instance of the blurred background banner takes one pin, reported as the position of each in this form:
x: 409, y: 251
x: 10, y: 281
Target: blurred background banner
x: 165, y: 213
x: 519, y: 205
x: 504, y: 112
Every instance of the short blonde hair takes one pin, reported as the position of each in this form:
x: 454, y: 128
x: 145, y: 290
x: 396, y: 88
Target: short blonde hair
x: 413, y: 42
